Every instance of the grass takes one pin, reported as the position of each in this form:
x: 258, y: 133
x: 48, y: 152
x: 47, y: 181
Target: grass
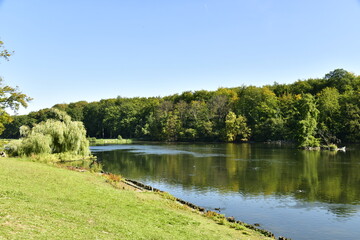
x: 94, y: 141
x: 3, y: 142
x: 40, y: 201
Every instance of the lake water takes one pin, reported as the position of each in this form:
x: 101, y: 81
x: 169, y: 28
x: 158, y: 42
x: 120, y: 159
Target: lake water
x: 293, y: 193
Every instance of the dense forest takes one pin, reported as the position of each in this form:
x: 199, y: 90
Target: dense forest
x: 308, y: 112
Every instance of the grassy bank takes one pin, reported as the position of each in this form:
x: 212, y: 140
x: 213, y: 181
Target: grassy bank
x: 38, y: 201
x: 95, y: 141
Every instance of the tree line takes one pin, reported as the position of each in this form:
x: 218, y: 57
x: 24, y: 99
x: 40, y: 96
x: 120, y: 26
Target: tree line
x: 309, y: 112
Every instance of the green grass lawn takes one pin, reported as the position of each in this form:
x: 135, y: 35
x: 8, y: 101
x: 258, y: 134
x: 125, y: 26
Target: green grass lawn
x: 39, y: 201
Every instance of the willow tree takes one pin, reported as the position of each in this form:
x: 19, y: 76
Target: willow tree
x: 58, y: 135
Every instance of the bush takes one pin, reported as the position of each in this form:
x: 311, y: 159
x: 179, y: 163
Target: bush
x: 59, y: 135
x: 311, y: 142
x: 333, y: 147
x: 36, y: 143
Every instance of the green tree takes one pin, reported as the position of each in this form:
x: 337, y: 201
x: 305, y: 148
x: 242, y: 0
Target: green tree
x: 340, y: 79
x: 200, y: 125
x: 350, y: 116
x: 12, y: 128
x: 287, y: 105
x: 75, y: 110
x: 93, y: 120
x: 111, y: 120
x: 157, y: 121
x: 130, y: 115
x: 59, y: 135
x: 10, y: 97
x: 236, y: 128
x: 261, y: 108
x: 307, y: 118
x: 329, y: 114
x: 172, y: 127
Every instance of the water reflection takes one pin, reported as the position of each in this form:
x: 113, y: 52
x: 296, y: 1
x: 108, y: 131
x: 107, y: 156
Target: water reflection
x: 247, y: 168
x: 267, y: 177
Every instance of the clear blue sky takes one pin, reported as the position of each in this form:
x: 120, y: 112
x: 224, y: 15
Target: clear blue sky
x: 72, y: 50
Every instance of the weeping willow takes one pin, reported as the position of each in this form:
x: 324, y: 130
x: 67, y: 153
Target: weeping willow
x: 57, y: 135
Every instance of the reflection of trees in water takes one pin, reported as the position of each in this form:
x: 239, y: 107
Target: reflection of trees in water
x: 343, y: 211
x: 251, y: 169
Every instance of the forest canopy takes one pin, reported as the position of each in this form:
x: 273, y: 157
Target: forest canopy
x: 309, y: 112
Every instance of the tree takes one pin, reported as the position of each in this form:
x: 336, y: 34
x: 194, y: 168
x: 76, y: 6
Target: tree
x: 171, y: 128
x: 236, y: 127
x: 75, y: 110
x: 329, y: 115
x: 340, y: 79
x: 260, y: 107
x: 307, y: 122
x: 199, y: 121
x: 59, y: 135
x: 12, y: 129
x: 3, y: 52
x: 350, y: 116
x: 10, y: 97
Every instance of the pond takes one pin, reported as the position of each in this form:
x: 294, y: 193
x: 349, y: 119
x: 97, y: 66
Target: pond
x: 293, y: 193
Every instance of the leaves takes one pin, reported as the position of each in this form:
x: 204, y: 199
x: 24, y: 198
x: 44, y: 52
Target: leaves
x: 236, y: 128
x: 300, y: 112
x: 3, y: 52
x: 10, y: 97
x: 52, y: 136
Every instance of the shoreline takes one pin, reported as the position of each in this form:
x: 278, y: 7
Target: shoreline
x: 143, y: 187
x: 136, y: 185
x: 43, y: 201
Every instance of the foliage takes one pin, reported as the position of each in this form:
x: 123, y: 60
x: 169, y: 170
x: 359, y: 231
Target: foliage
x: 10, y: 97
x: 52, y: 136
x: 307, y: 112
x: 329, y: 115
x: 236, y: 128
x: 4, y: 53
x: 349, y: 120
x: 306, y: 119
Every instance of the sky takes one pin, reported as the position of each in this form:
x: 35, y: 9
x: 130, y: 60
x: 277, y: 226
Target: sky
x: 67, y: 51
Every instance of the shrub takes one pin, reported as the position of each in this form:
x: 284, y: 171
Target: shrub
x: 59, y: 135
x: 113, y: 178
x: 332, y: 147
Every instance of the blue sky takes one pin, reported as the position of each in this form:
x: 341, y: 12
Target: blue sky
x: 67, y: 51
